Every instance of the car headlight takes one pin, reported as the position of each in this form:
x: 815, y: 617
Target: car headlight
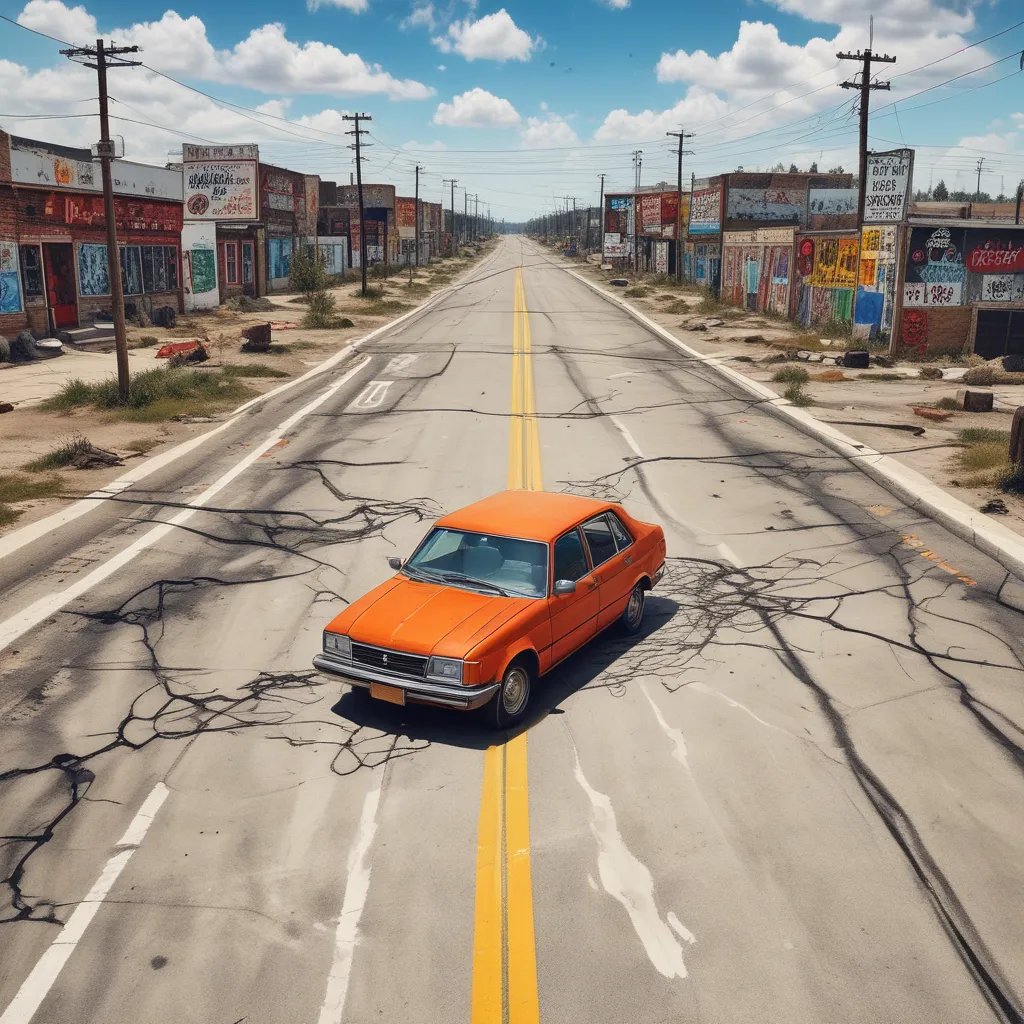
x: 338, y: 645
x: 444, y: 670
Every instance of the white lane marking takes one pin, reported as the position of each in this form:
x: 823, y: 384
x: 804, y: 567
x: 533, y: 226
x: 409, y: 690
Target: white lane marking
x: 356, y: 888
x: 37, y: 985
x: 17, y: 625
x: 402, y: 362
x: 625, y: 373
x: 627, y: 880
x: 729, y: 555
x: 630, y: 440
x: 709, y: 692
x: 373, y: 394
x: 675, y: 735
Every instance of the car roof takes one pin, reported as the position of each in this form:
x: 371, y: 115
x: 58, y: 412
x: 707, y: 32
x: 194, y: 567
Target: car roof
x: 528, y: 515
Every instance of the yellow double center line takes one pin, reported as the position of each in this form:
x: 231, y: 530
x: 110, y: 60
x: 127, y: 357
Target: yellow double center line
x: 504, y: 951
x: 524, y: 438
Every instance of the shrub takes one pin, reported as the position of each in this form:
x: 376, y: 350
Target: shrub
x: 309, y: 270
x: 147, y: 340
x: 983, y: 376
x: 930, y: 373
x: 254, y: 370
x: 948, y: 403
x: 795, y: 393
x: 321, y: 313
x: 639, y: 291
x: 1012, y: 480
x: 791, y: 375
x: 984, y: 435
x: 63, y: 455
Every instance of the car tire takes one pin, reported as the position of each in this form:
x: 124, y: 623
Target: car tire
x: 512, y: 700
x: 632, y: 619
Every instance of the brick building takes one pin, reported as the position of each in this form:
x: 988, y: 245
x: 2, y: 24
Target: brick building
x: 53, y: 252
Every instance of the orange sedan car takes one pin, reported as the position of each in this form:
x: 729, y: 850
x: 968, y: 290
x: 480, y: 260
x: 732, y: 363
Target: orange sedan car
x: 496, y: 595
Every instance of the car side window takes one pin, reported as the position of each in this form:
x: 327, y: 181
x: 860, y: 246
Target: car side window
x: 621, y: 534
x: 570, y: 558
x: 599, y: 540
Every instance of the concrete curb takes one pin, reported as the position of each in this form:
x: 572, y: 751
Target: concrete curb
x: 17, y: 539
x: 912, y: 488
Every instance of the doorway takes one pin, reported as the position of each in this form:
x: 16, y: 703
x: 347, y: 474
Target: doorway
x: 999, y: 332
x: 61, y: 295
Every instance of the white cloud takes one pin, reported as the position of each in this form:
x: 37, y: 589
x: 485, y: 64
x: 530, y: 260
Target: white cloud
x: 421, y: 16
x: 550, y: 133
x: 441, y: 67
x: 266, y: 60
x: 698, y: 106
x: 355, y: 6
x: 425, y: 147
x: 617, y: 5
x: 893, y: 18
x: 72, y: 24
x: 492, y: 37
x: 477, y: 108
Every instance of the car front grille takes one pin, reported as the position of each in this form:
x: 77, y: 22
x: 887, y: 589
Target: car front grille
x: 411, y: 665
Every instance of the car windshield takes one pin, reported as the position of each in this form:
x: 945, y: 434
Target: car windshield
x: 471, y: 560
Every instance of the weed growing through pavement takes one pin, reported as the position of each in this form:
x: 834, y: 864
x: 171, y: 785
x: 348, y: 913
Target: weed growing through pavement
x: 791, y: 375
x: 15, y: 487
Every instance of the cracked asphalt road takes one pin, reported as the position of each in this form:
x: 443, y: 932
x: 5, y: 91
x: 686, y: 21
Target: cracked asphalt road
x: 797, y: 797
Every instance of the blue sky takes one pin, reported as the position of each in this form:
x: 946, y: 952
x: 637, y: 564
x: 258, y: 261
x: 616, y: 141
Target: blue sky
x: 527, y: 101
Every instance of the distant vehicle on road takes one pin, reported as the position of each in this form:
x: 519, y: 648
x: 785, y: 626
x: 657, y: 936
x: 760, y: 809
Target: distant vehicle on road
x: 496, y: 595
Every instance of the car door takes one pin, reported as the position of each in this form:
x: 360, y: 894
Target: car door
x: 608, y: 545
x: 573, y: 616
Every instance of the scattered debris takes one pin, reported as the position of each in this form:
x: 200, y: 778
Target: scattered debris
x: 930, y: 373
x: 755, y: 339
x: 257, y: 338
x: 163, y: 316
x: 931, y: 414
x: 697, y: 327
x: 6, y: 407
x: 619, y: 282
x: 995, y: 507
x: 48, y: 348
x: 279, y: 325
x: 91, y: 457
x: 974, y: 401
x: 175, y: 348
x: 858, y: 360
x: 23, y: 348
x: 882, y: 361
x: 198, y: 354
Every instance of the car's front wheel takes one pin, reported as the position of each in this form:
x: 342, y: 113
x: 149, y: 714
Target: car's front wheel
x: 510, y: 703
x: 633, y: 615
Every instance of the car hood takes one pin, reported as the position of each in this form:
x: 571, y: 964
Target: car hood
x: 424, y: 618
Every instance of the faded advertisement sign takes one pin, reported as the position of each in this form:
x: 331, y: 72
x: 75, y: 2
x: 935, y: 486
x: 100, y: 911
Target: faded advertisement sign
x: 1002, y: 288
x: 661, y: 257
x: 887, y: 186
x: 835, y: 263
x: 280, y: 192
x: 935, y: 272
x: 614, y: 247
x: 89, y: 211
x: 619, y: 220
x: 10, y: 281
x: 995, y: 252
x: 832, y: 202
x: 760, y: 236
x: 650, y: 215
x: 405, y: 217
x: 219, y: 186
x: 30, y: 167
x: 706, y: 212
x: 763, y: 204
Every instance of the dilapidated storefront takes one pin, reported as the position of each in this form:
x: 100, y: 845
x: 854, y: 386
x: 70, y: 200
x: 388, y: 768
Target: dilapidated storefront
x: 703, y: 257
x: 963, y: 290
x: 756, y: 268
x: 826, y: 277
x: 54, y: 261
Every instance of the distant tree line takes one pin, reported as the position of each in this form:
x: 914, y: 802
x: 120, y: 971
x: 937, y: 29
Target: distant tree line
x: 941, y: 194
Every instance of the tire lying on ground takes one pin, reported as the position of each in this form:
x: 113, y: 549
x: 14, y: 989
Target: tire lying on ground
x: 619, y: 282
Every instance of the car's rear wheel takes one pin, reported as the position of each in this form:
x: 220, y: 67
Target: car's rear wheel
x: 633, y: 615
x: 511, y: 702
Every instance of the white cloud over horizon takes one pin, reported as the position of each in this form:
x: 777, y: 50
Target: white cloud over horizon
x: 492, y: 37
x: 477, y: 108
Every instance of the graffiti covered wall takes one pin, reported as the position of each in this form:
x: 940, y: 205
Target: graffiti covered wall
x: 876, y: 283
x: 826, y: 278
x: 756, y: 269
x: 618, y: 227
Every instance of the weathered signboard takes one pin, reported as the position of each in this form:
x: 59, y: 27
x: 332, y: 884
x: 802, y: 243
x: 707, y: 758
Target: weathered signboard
x: 706, y: 212
x: 887, y: 186
x: 405, y: 217
x: 220, y: 183
x: 38, y: 167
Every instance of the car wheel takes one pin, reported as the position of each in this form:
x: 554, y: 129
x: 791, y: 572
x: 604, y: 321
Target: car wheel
x: 633, y: 615
x: 511, y: 702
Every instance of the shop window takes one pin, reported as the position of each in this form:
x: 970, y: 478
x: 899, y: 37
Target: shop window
x: 280, y: 257
x: 93, y: 273
x: 131, y: 269
x: 32, y: 271
x: 160, y: 268
x: 144, y: 269
x: 247, y: 268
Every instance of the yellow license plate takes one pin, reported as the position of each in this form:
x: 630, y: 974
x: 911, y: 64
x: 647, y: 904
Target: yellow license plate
x: 391, y: 694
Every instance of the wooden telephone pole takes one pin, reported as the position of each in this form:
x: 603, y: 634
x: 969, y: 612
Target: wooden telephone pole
x: 865, y: 85
x: 416, y: 256
x: 358, y: 132
x: 109, y: 57
x: 453, y: 182
x: 682, y: 137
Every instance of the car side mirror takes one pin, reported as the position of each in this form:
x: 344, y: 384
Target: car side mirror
x: 395, y: 563
x: 564, y: 587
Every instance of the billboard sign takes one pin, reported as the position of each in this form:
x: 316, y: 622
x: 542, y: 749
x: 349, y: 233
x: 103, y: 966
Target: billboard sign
x: 887, y: 187
x: 221, y: 183
x: 706, y: 212
x: 405, y: 217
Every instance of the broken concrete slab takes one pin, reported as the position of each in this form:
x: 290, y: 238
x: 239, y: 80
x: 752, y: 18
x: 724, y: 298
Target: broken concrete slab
x: 975, y: 401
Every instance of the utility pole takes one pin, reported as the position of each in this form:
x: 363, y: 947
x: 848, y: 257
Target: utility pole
x: 357, y: 132
x: 865, y: 85
x: 416, y: 242
x: 600, y: 214
x: 637, y: 162
x: 453, y: 182
x: 977, y: 194
x: 109, y: 56
x: 682, y: 136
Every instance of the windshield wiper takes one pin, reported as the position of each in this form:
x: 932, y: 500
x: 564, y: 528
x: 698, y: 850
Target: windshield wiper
x: 418, y: 574
x: 458, y: 577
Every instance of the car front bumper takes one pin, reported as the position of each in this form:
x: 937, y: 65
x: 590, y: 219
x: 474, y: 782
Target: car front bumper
x: 465, y: 698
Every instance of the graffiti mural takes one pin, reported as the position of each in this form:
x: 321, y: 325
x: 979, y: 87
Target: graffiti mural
x: 915, y: 330
x: 405, y: 217
x: 835, y: 263
x: 93, y: 271
x: 805, y: 257
x: 779, y: 205
x: 706, y: 212
x: 10, y: 281
x: 935, y: 270
x: 650, y: 215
